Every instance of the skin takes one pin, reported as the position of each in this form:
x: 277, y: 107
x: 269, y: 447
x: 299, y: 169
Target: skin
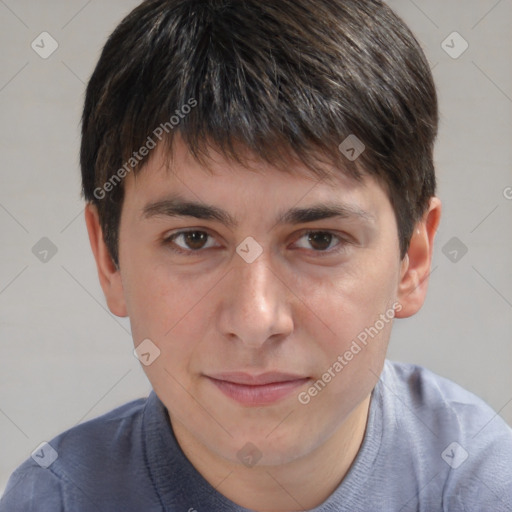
x: 295, y: 309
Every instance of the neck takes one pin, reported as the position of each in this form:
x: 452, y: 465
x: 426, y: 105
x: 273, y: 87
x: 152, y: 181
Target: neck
x: 302, y: 484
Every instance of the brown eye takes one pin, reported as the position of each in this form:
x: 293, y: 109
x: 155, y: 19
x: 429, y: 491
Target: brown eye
x: 190, y: 241
x: 195, y: 239
x: 321, y: 242
x: 320, y: 239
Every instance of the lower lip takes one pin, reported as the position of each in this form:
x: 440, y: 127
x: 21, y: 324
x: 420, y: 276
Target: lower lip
x: 258, y: 395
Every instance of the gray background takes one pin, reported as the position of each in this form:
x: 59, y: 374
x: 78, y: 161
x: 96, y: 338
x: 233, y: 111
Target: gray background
x: 65, y: 359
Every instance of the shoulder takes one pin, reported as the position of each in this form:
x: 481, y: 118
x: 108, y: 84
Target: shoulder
x: 109, y: 435
x: 460, y: 435
x: 425, y: 391
x: 62, y: 469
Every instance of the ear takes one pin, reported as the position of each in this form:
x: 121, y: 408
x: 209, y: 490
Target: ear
x: 109, y: 275
x: 415, y: 267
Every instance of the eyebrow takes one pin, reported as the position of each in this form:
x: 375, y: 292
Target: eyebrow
x: 177, y: 206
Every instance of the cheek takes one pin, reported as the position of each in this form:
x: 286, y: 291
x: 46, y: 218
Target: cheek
x: 170, y: 310
x: 154, y: 300
x: 358, y: 309
x: 350, y: 301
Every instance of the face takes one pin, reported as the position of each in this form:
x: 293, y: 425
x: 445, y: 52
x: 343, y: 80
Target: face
x: 256, y: 316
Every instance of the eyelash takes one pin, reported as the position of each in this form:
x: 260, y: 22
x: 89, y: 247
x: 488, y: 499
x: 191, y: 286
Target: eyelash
x: 169, y: 241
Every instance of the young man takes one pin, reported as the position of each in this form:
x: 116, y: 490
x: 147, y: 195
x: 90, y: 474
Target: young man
x: 261, y: 205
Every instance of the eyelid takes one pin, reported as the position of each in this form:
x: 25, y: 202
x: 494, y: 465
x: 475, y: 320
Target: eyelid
x: 344, y: 239
x: 169, y: 238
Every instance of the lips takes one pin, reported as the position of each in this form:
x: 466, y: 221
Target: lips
x: 260, y: 389
x: 256, y: 380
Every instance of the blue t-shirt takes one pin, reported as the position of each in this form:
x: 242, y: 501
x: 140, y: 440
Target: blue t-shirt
x: 429, y: 446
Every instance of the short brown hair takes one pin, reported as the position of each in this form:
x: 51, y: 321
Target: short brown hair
x: 276, y: 77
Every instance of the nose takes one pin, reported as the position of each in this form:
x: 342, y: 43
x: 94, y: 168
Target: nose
x: 256, y: 305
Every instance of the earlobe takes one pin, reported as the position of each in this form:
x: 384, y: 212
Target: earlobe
x: 415, y: 269
x: 108, y: 274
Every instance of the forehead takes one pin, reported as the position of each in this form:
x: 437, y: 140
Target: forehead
x: 180, y: 186
x: 180, y: 165
x: 256, y: 198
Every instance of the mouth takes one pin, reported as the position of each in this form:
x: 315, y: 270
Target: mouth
x: 255, y: 390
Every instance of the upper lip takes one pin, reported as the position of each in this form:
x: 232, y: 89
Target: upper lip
x: 256, y: 380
